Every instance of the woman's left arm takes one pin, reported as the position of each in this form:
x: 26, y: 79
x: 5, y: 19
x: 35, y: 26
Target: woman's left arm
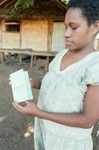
x: 85, y: 119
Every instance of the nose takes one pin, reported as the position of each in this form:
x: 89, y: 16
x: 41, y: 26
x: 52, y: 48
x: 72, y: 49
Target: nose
x: 67, y: 33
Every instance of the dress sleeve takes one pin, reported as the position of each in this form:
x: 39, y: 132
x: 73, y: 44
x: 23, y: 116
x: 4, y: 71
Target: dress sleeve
x: 92, y: 74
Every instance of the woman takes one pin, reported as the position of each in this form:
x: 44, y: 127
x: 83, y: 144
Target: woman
x: 68, y: 104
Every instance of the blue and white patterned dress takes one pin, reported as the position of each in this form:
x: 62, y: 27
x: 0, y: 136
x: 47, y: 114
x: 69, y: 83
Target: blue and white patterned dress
x: 64, y: 91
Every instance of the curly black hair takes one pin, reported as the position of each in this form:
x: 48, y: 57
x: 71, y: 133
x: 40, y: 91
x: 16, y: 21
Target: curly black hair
x: 89, y: 8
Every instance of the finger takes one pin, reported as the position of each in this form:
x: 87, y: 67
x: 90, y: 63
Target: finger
x: 29, y: 101
x: 23, y: 103
x: 17, y: 108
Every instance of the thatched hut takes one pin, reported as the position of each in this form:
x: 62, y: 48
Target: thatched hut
x: 39, y: 27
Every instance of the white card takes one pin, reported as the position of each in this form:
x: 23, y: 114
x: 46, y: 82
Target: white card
x: 20, y: 84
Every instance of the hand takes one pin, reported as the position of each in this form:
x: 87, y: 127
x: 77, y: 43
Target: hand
x: 35, y: 83
x: 30, y: 108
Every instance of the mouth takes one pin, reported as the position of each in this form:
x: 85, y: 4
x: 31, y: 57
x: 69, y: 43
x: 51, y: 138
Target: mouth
x: 69, y: 42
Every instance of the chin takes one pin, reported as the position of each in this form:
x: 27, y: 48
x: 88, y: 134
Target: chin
x: 71, y: 48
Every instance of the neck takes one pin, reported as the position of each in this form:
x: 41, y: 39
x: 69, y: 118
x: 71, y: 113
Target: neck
x: 86, y: 49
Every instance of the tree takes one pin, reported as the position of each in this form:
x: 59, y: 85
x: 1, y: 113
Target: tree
x: 24, y: 3
x: 28, y: 3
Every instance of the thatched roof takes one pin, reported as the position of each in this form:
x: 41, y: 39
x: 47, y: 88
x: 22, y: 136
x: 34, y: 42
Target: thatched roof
x: 46, y: 9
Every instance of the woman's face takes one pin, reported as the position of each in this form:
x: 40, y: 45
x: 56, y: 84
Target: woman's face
x: 78, y: 34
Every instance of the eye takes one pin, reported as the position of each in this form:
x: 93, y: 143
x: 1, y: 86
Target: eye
x: 74, y: 28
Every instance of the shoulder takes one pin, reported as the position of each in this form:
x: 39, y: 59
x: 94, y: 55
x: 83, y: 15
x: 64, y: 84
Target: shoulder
x: 92, y: 72
x: 58, y: 56
x: 94, y: 62
x: 61, y: 52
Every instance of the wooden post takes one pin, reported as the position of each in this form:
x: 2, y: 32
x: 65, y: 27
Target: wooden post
x: 31, y: 63
x: 20, y: 55
x: 49, y: 36
x: 20, y: 58
x: 47, y: 64
x: 35, y: 59
x: 2, y: 57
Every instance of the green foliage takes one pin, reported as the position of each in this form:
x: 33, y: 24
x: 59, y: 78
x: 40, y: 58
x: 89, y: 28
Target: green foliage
x: 65, y: 1
x: 28, y: 3
x: 24, y: 3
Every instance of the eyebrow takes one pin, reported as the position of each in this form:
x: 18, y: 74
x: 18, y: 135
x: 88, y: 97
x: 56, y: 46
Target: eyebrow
x: 71, y: 23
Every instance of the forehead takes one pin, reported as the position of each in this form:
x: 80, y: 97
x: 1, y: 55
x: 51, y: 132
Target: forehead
x: 74, y: 15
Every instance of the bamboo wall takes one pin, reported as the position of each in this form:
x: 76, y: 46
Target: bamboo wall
x: 10, y: 40
x: 38, y: 35
x: 58, y: 40
x: 0, y: 32
x: 34, y: 35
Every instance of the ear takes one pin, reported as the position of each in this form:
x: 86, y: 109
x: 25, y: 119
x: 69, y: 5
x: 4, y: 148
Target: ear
x: 95, y: 27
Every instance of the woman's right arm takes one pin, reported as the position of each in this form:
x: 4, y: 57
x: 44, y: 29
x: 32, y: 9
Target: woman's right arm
x: 36, y: 84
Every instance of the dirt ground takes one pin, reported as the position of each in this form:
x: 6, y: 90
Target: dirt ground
x: 16, y: 130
